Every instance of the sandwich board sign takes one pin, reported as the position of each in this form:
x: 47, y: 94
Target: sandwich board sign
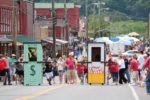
x: 96, y: 63
x: 33, y: 53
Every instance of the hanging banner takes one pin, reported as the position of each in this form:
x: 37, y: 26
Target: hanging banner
x: 33, y: 73
x: 96, y: 67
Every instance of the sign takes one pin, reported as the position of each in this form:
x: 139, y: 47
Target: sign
x: 33, y: 53
x: 117, y: 48
x: 96, y: 67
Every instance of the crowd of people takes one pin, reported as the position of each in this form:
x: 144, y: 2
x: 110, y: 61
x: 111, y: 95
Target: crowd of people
x: 11, y: 69
x: 125, y: 69
x: 130, y: 69
x: 67, y: 69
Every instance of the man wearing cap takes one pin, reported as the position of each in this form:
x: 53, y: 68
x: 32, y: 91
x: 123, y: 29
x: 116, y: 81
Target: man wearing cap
x: 12, y: 62
x: 71, y: 63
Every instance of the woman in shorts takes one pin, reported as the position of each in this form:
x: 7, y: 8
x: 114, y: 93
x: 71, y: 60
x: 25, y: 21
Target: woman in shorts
x: 60, y: 65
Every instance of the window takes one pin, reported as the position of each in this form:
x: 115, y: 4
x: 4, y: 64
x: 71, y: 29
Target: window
x: 96, y: 54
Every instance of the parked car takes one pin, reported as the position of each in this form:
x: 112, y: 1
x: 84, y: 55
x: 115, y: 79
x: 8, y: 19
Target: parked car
x: 130, y: 53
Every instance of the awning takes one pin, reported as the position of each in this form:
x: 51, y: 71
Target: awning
x: 20, y: 39
x: 58, y: 41
x: 5, y: 40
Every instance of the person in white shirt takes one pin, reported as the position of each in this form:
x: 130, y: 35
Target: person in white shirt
x: 60, y: 65
x: 141, y: 61
x: 121, y: 64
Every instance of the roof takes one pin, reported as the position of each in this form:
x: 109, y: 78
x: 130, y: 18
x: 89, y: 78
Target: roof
x: 5, y: 40
x: 58, y: 41
x: 21, y: 38
x: 105, y: 30
x: 57, y: 5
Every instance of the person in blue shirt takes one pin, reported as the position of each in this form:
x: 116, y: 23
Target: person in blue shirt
x: 12, y: 62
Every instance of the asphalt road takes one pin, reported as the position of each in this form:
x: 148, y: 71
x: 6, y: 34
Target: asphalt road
x: 73, y: 92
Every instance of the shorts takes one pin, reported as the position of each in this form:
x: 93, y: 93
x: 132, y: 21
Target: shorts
x: 71, y: 73
x: 49, y: 75
x: 60, y: 71
x: 85, y: 71
x: 20, y: 72
x: 2, y: 72
x: 80, y: 75
x: 135, y: 75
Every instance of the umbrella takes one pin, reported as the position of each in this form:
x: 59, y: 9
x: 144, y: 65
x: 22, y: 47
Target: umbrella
x: 114, y: 39
x: 103, y: 39
x: 133, y: 39
x: 125, y: 40
x: 133, y: 34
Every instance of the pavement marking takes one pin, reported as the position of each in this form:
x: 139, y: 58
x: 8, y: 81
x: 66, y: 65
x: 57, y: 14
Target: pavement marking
x: 42, y: 92
x: 133, y: 92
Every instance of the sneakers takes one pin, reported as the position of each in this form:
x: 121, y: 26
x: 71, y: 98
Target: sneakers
x: 6, y: 84
x: 9, y: 84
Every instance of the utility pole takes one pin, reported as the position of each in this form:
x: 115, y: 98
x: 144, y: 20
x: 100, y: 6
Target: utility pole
x: 94, y: 25
x: 66, y: 23
x: 14, y: 27
x: 149, y: 27
x: 53, y: 28
x: 86, y: 16
x: 99, y: 10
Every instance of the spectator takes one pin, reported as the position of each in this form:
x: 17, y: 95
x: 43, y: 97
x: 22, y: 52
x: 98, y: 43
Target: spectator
x: 127, y: 69
x: 60, y: 64
x: 134, y: 69
x: 7, y: 70
x: 80, y: 71
x: 147, y: 80
x: 49, y: 72
x: 12, y: 65
x: 121, y: 64
x: 70, y: 62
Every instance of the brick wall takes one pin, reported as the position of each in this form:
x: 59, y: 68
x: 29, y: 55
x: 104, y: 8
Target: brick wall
x: 24, y: 17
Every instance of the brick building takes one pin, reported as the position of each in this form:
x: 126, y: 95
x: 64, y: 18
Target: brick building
x: 24, y: 23
x: 43, y: 12
x: 24, y: 17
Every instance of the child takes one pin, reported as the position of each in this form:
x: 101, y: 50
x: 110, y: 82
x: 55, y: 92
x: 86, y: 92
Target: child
x: 49, y: 72
x: 80, y: 71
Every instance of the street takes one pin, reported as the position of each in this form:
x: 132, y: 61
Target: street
x: 73, y: 92
x: 74, y: 49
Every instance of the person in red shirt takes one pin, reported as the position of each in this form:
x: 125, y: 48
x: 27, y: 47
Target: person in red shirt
x: 80, y: 71
x: 71, y: 64
x: 2, y: 66
x: 2, y: 63
x: 114, y: 69
x: 134, y: 69
x: 147, y: 80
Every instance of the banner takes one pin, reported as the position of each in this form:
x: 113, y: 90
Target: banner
x: 33, y: 54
